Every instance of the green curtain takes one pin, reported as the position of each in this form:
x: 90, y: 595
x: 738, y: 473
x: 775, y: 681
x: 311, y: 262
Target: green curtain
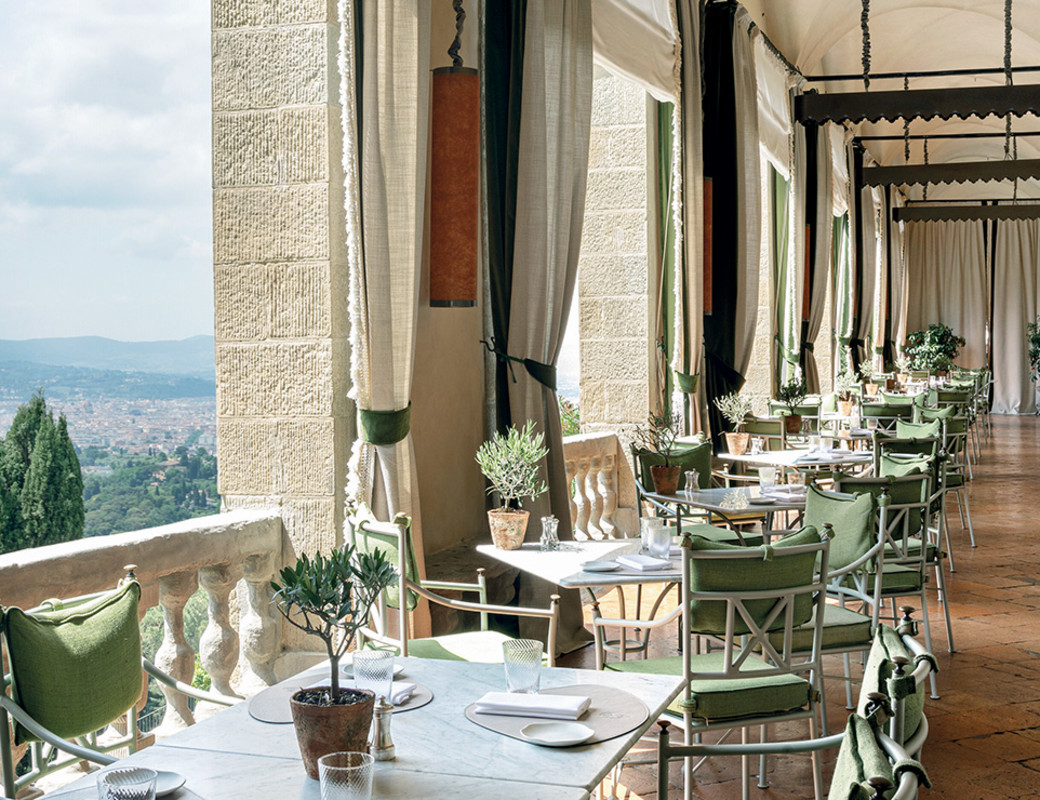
x: 843, y: 290
x: 786, y: 313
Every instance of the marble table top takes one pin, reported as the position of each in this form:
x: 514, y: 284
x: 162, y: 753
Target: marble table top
x: 563, y: 567
x: 439, y: 752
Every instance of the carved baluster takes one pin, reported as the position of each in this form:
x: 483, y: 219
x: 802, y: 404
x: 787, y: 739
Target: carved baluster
x: 581, y: 501
x: 175, y: 656
x: 259, y: 627
x: 608, y: 493
x: 570, y: 469
x: 592, y: 486
x: 218, y: 646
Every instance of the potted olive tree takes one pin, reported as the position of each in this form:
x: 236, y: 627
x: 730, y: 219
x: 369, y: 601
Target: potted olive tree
x: 331, y: 598
x: 843, y: 387
x: 792, y: 394
x: 867, y: 374
x: 511, y: 464
x: 658, y: 436
x: 735, y: 408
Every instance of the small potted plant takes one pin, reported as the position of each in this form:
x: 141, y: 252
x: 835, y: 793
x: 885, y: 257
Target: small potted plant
x: 792, y: 394
x: 658, y: 436
x: 511, y: 464
x: 331, y: 598
x: 933, y: 348
x: 866, y: 376
x: 902, y: 368
x: 735, y: 408
x: 844, y: 385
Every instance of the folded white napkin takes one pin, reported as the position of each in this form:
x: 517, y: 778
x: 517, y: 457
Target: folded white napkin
x: 787, y: 490
x: 643, y: 563
x: 400, y: 691
x: 543, y: 706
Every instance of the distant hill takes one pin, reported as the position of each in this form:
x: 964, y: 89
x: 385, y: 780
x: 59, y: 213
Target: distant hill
x: 186, y: 357
x: 19, y: 379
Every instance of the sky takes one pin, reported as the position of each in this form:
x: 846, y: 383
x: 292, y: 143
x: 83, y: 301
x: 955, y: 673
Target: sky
x: 105, y: 176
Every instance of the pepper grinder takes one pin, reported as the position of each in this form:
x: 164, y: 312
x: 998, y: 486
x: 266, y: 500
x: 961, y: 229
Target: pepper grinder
x: 382, y: 744
x: 549, y: 539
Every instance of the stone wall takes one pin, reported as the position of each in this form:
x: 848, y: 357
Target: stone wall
x: 284, y: 422
x: 612, y: 270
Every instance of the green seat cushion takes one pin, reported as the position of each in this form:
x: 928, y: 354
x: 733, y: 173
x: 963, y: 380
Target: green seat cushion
x: 917, y: 430
x: 929, y: 414
x: 687, y: 456
x: 954, y: 480
x: 913, y: 548
x: 897, y: 580
x: 77, y: 666
x: 742, y: 574
x: 716, y: 534
x: 719, y: 699
x: 860, y: 758
x: 897, y: 399
x: 842, y: 628
x: 852, y: 518
x: 479, y: 647
x: 880, y: 669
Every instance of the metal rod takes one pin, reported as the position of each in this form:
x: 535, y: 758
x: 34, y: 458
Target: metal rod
x: 936, y: 73
x: 893, y: 137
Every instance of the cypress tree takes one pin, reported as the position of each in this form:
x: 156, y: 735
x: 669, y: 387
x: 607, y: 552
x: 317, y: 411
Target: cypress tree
x: 41, y: 515
x: 70, y: 489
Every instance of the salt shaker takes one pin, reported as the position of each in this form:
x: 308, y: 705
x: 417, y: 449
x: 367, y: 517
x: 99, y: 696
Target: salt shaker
x: 549, y: 540
x: 382, y: 744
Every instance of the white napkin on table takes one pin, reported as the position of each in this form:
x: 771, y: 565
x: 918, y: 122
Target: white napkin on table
x: 400, y: 691
x: 643, y: 563
x: 543, y: 706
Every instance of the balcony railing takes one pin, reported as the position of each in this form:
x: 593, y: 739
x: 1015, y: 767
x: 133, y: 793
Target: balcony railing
x: 603, y: 499
x: 172, y: 562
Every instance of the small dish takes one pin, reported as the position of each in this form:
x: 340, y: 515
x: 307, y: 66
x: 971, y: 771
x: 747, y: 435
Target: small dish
x: 761, y: 501
x: 347, y: 669
x: 557, y: 734
x: 167, y: 782
x: 600, y: 566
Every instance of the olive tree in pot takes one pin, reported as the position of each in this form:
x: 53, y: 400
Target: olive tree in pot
x: 735, y: 408
x: 792, y: 394
x: 658, y: 436
x: 511, y: 464
x: 867, y: 374
x: 331, y: 598
x: 844, y: 385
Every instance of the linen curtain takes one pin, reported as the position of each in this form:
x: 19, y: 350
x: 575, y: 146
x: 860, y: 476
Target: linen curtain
x: 866, y: 276
x: 876, y: 345
x: 688, y: 180
x: 385, y: 114
x: 897, y: 286
x: 946, y: 274
x: 1017, y: 296
x: 819, y: 208
x: 842, y: 293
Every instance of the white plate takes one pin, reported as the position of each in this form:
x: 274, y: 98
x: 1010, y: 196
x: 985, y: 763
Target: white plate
x: 600, y: 566
x: 761, y: 501
x: 167, y: 782
x: 557, y: 734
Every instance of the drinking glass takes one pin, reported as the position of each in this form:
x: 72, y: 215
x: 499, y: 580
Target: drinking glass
x: 127, y: 783
x: 374, y: 671
x: 523, y: 663
x: 693, y: 480
x: 647, y: 524
x: 814, y: 442
x: 766, y: 478
x: 796, y: 478
x: 345, y: 776
x: 756, y: 445
x: 660, y: 542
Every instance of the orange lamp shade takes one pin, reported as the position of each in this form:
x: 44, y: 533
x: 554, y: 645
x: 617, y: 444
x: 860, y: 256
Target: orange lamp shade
x: 454, y: 186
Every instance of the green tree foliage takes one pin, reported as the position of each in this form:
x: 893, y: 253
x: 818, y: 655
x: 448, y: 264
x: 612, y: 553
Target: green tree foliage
x: 41, y: 488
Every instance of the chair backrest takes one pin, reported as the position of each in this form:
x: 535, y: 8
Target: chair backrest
x: 896, y: 399
x: 852, y: 518
x: 686, y: 456
x: 744, y: 594
x: 368, y: 536
x: 918, y: 430
x: 769, y: 429
x: 75, y: 664
x: 885, y: 414
x: 903, y: 511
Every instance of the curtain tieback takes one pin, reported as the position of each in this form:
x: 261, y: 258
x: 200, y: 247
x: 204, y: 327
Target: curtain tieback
x: 384, y: 427
x: 857, y: 343
x: 810, y: 346
x: 687, y: 383
x: 545, y: 374
x: 789, y: 355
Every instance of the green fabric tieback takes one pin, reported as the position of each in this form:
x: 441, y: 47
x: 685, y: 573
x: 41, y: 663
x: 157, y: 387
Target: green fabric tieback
x: 384, y: 427
x: 76, y: 667
x: 687, y: 383
x: 790, y: 356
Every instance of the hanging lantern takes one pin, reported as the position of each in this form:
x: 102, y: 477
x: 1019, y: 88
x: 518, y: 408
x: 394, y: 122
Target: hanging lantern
x: 454, y: 179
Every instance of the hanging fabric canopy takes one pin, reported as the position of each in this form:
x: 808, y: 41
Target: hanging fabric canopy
x: 635, y: 40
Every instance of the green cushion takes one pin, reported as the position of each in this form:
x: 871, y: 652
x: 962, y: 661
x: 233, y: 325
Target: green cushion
x: 742, y: 574
x: 860, y: 758
x: 842, y: 628
x: 954, y: 480
x: 879, y: 669
x: 913, y: 548
x: 368, y: 541
x: 898, y: 580
x: 479, y: 647
x: 906, y: 464
x: 917, y: 430
x: 852, y: 518
x: 896, y: 399
x: 885, y: 443
x: 687, y: 456
x: 716, y: 534
x: 884, y: 410
x: 76, y: 667
x: 716, y: 699
x: 929, y: 414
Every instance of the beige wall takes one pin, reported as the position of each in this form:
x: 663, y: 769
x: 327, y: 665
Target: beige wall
x: 284, y: 421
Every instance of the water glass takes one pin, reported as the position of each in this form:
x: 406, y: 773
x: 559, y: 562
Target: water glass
x: 796, y: 478
x: 756, y: 445
x: 647, y: 524
x: 660, y: 543
x: 127, y: 783
x: 374, y: 671
x: 345, y: 776
x: 814, y: 442
x: 550, y: 539
x: 523, y: 663
x: 766, y: 478
x: 693, y: 480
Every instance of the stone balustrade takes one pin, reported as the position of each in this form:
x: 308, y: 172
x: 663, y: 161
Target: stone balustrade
x: 215, y: 552
x: 603, y: 499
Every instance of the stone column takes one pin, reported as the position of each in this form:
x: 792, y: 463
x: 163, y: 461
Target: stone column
x: 283, y: 418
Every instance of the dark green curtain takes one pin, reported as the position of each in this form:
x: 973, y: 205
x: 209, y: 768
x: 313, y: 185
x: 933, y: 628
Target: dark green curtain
x: 720, y: 166
x: 503, y: 82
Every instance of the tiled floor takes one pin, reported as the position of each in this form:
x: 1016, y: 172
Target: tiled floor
x: 984, y: 742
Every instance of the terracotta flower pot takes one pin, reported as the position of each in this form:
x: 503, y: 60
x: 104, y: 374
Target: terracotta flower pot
x: 508, y: 528
x: 793, y: 424
x: 324, y: 729
x: 737, y: 443
x: 666, y: 479
x: 871, y: 389
x: 845, y: 407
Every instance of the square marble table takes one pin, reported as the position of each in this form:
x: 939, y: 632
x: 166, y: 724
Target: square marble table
x: 439, y: 752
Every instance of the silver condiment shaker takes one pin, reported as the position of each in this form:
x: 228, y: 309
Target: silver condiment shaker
x: 382, y: 745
